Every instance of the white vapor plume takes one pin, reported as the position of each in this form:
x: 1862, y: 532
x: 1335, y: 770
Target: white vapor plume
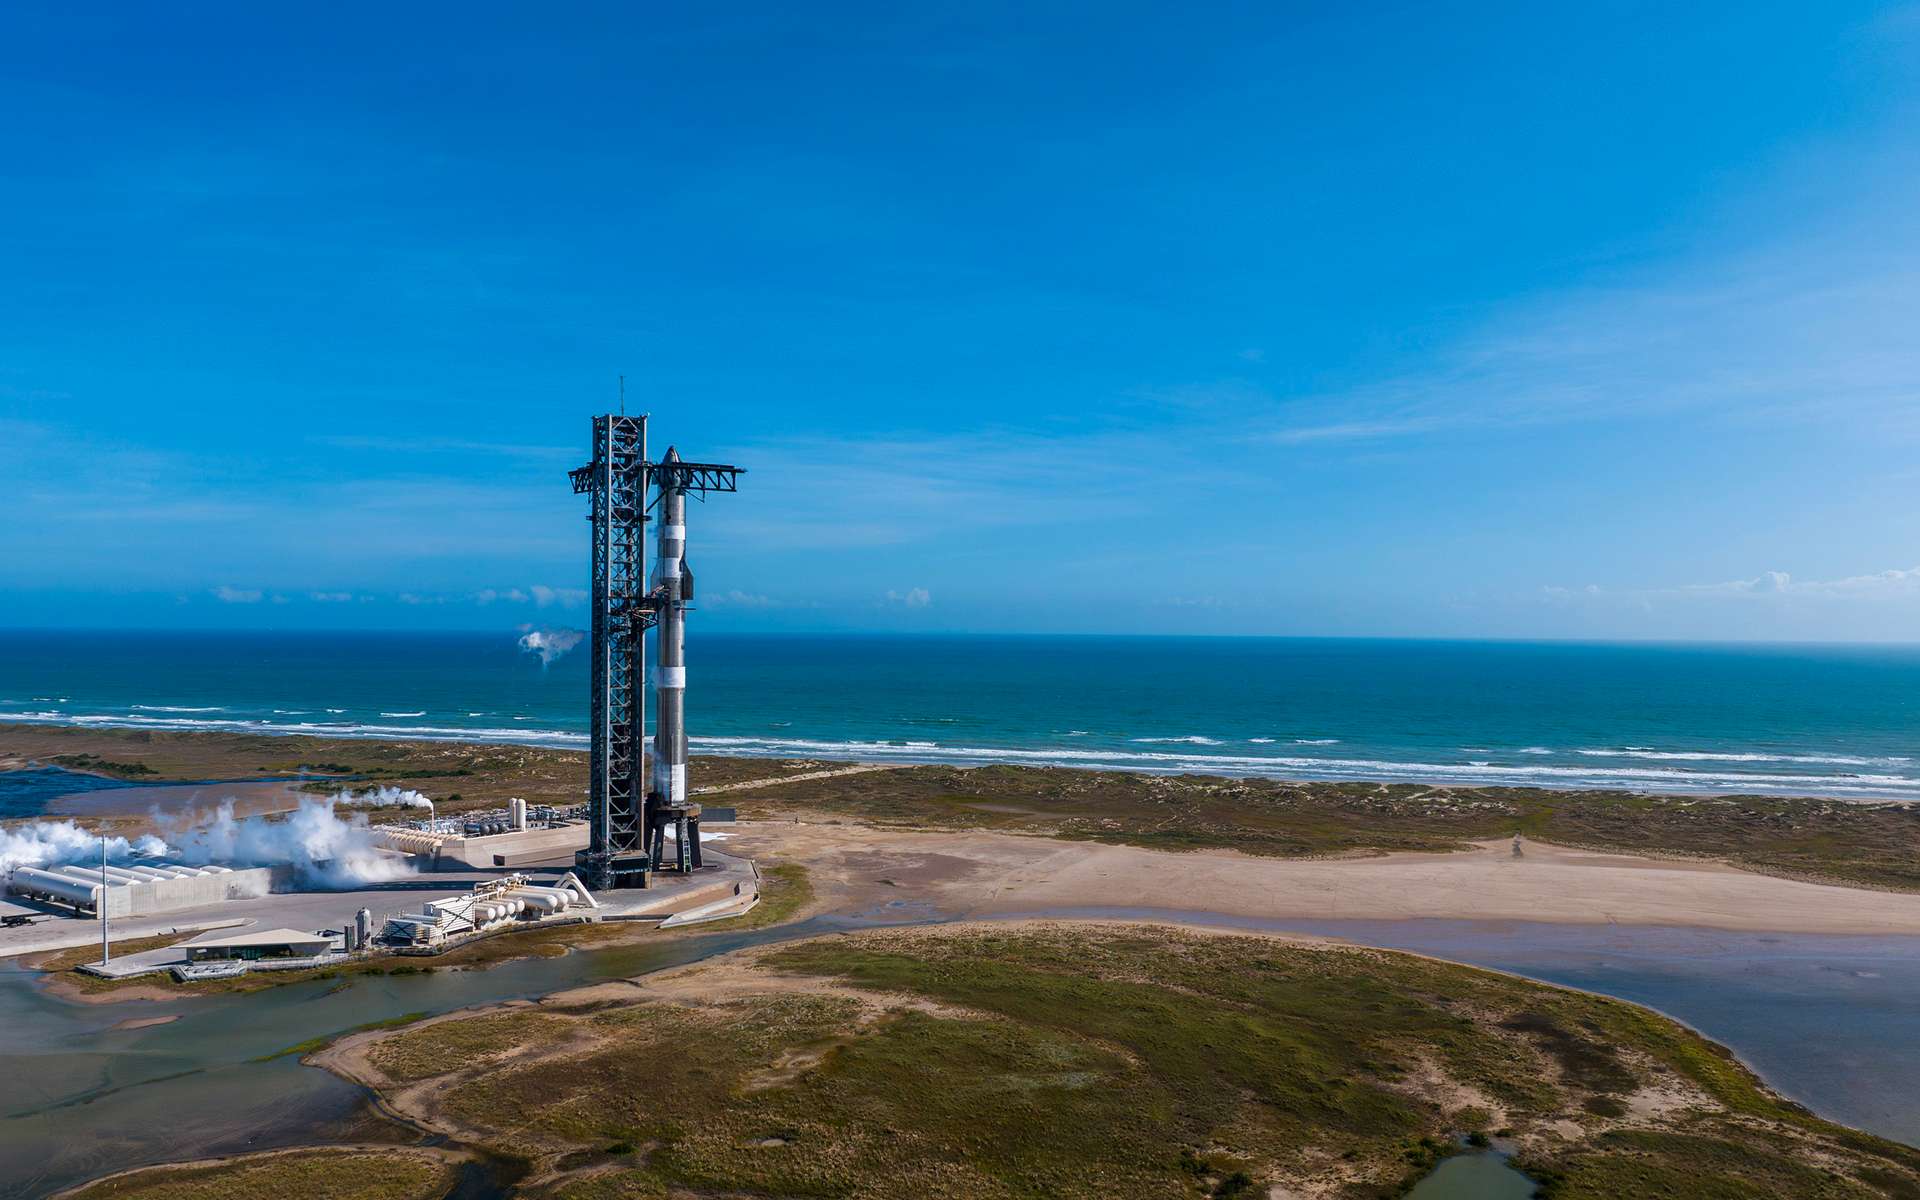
x: 384, y: 796
x: 549, y: 644
x: 323, y: 849
x: 58, y: 843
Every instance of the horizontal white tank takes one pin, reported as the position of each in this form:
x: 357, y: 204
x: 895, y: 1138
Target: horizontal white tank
x: 550, y: 900
x: 63, y: 886
x: 174, y: 870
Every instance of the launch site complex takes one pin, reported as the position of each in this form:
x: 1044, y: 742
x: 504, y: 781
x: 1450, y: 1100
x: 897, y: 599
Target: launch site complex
x: 632, y: 851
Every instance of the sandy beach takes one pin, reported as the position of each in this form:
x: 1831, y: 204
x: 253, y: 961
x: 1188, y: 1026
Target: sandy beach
x: 975, y: 874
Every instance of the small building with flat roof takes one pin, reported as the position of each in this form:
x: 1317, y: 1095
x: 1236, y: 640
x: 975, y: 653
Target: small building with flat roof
x: 251, y: 945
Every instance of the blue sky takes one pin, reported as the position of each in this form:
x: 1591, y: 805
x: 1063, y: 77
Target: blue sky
x: 1460, y: 320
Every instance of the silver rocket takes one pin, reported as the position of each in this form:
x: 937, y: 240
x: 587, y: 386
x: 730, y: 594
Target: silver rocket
x: 670, y: 583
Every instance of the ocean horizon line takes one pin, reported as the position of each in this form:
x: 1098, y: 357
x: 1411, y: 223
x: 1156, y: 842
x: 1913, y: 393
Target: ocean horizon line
x: 506, y: 630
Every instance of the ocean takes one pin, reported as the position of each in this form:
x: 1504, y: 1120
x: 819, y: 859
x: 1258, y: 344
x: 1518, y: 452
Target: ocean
x: 1837, y: 721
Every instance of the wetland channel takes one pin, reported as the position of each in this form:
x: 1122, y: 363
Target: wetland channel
x: 94, y: 1088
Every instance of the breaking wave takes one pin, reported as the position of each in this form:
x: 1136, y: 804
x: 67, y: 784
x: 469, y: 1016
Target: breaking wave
x: 1479, y: 772
x: 1192, y: 739
x: 1832, y: 760
x: 1646, y: 768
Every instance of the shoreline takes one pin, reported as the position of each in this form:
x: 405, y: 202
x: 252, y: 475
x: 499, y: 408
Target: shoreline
x: 1634, y: 781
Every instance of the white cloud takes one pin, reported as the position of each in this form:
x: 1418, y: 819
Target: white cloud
x: 549, y: 644
x: 234, y: 595
x: 911, y: 598
x: 547, y: 597
x: 509, y: 595
x: 330, y: 597
x: 1767, y: 585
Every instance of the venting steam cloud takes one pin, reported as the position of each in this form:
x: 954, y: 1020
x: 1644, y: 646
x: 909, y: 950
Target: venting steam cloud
x: 322, y: 841
x: 550, y: 644
x: 50, y: 843
x: 323, y: 848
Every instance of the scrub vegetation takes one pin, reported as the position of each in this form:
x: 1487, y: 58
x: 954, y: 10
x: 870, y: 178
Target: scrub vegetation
x: 480, y: 776
x: 1861, y: 844
x: 329, y: 1174
x: 1096, y: 1061
x: 1873, y: 845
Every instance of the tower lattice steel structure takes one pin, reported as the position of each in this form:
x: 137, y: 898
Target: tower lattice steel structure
x: 629, y: 819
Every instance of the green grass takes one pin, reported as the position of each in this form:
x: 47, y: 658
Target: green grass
x: 1104, y: 1061
x: 481, y: 776
x: 427, y: 1051
x: 1876, y: 845
x: 311, y: 1175
x: 322, y: 1042
x: 785, y: 890
x: 102, y: 766
x: 1727, y: 1163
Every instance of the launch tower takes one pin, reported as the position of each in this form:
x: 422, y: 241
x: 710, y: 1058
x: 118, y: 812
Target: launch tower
x: 629, y: 818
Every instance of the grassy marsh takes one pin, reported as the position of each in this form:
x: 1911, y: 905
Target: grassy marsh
x: 324, y: 1174
x: 1084, y: 1061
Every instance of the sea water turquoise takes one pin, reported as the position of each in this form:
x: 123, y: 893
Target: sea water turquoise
x: 1840, y: 721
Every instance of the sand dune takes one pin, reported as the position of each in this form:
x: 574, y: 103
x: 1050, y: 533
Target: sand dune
x: 983, y: 874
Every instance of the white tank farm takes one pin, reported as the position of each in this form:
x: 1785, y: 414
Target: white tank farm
x: 139, y: 888
x: 496, y: 904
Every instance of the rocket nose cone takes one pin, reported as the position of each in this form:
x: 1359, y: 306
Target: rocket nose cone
x: 673, y: 455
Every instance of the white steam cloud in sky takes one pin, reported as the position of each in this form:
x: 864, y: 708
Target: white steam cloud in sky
x: 550, y: 644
